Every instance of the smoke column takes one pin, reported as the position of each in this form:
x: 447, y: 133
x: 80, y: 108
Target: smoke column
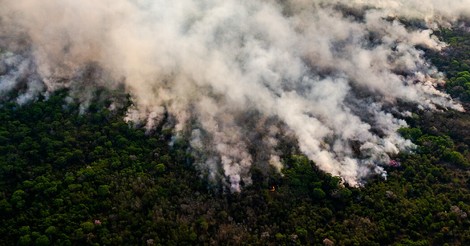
x: 238, y: 76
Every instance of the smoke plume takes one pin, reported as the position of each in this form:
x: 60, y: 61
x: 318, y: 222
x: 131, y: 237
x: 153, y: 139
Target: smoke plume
x: 239, y: 76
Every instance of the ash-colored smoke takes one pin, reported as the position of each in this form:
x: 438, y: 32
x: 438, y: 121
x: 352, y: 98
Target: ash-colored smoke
x: 239, y: 76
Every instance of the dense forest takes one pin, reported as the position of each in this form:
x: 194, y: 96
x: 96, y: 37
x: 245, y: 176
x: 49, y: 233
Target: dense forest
x: 72, y: 178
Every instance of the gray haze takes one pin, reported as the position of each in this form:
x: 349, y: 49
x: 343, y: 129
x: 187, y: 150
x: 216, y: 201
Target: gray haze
x: 238, y: 76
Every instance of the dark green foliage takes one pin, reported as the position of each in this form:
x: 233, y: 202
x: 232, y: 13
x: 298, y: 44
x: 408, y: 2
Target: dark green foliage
x: 42, y: 241
x: 455, y: 62
x: 411, y: 133
x: 79, y: 180
x: 25, y: 240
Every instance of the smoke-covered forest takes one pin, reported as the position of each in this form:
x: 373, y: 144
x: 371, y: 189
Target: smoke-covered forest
x: 237, y: 123
x: 89, y: 178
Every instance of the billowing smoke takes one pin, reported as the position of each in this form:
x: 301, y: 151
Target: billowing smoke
x: 239, y: 76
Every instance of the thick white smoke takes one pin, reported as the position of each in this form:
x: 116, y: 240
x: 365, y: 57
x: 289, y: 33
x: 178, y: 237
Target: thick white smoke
x: 238, y: 75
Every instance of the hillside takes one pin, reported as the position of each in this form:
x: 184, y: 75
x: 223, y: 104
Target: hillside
x: 72, y: 178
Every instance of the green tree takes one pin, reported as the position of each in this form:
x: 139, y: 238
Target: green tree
x: 42, y: 240
x: 87, y: 226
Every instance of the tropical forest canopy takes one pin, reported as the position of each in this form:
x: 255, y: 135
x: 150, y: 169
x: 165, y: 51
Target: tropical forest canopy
x: 74, y: 178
